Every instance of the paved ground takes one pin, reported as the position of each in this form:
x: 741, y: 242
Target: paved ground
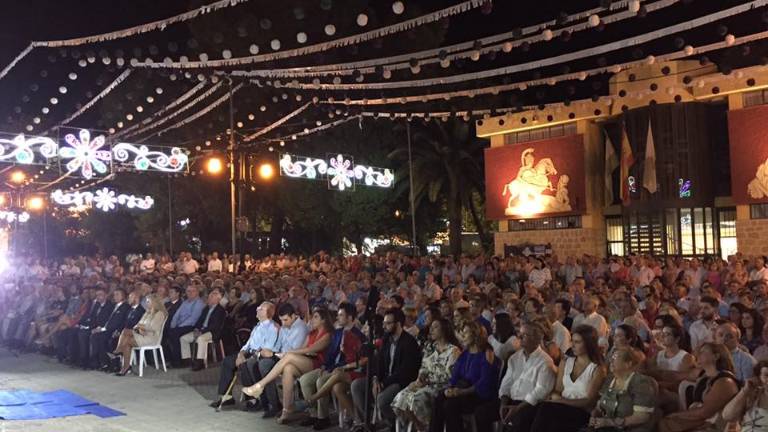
x: 173, y: 401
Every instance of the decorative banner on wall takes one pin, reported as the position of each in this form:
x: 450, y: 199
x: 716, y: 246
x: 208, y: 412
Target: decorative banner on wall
x: 535, y: 178
x: 339, y: 170
x: 103, y: 199
x: 748, y: 136
x: 21, y: 149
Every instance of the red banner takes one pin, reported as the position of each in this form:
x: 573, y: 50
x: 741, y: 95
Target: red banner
x: 748, y: 136
x: 535, y: 178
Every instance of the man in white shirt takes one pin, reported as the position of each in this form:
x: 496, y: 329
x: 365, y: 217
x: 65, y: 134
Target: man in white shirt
x: 530, y: 378
x: 644, y: 274
x: 703, y: 330
x: 188, y: 264
x: 540, y: 275
x: 760, y: 272
x: 214, y: 263
x: 590, y: 317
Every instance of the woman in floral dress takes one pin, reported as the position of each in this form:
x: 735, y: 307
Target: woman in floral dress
x: 414, y: 403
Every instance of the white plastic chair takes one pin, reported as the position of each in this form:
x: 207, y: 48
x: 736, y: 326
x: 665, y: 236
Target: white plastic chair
x: 154, y: 348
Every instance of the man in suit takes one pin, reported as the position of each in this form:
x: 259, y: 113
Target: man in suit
x: 207, y: 329
x: 398, y: 362
x: 136, y: 312
x: 81, y: 338
x: 101, y: 336
x: 562, y: 313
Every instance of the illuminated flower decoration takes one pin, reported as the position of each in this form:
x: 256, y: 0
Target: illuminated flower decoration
x: 85, y: 154
x: 340, y: 173
x: 105, y: 199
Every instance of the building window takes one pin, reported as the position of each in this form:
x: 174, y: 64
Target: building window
x: 541, y: 133
x: 615, y: 235
x: 758, y: 211
x: 550, y: 223
x: 759, y: 97
x: 675, y: 231
x: 727, y: 230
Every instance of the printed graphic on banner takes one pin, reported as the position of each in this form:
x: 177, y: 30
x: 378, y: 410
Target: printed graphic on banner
x: 535, y: 178
x: 748, y: 136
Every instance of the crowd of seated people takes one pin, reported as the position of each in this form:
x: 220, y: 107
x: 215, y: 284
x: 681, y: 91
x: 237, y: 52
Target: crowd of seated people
x: 432, y: 343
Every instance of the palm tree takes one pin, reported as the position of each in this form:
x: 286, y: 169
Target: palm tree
x: 448, y: 167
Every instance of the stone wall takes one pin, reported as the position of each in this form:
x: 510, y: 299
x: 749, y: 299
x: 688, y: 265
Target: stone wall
x: 565, y: 242
x: 752, y: 236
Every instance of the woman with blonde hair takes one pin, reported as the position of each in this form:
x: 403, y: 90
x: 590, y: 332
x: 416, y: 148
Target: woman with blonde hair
x: 146, y: 333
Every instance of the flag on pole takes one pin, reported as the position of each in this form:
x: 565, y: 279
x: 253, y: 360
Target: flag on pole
x: 649, y: 168
x: 611, y: 163
x: 627, y: 160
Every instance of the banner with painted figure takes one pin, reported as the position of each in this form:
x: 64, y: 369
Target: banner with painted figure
x: 535, y: 178
x: 748, y: 136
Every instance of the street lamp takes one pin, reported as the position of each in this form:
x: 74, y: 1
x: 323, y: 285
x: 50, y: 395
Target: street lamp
x: 35, y: 203
x: 214, y: 165
x: 18, y: 176
x: 266, y: 171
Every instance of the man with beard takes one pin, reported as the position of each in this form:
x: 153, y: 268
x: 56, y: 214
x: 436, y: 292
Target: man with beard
x: 703, y: 330
x: 398, y: 364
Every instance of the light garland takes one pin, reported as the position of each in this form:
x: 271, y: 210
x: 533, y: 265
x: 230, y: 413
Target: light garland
x: 20, y: 149
x: 174, y: 114
x: 325, y: 46
x: 340, y: 171
x: 122, y: 77
x: 538, y: 64
x: 197, y: 115
x: 504, y: 41
x: 277, y: 123
x: 307, y: 132
x: 119, y: 34
x: 146, y: 159
x: 165, y: 109
x: 522, y: 85
x: 104, y: 199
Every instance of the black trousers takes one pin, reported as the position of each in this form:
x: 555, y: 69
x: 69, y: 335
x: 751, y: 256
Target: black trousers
x: 488, y: 413
x: 83, y: 346
x: 100, y: 343
x: 447, y: 413
x: 65, y: 342
x: 174, y: 345
x: 557, y: 417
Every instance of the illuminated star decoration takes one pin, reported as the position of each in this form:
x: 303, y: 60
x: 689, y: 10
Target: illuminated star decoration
x: 85, y: 154
x: 340, y: 173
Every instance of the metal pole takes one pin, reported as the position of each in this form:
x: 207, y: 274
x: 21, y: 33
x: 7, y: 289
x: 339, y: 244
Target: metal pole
x: 411, y: 197
x: 232, y: 162
x: 170, y: 219
x: 45, y: 234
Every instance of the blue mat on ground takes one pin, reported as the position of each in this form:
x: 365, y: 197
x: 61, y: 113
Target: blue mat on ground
x: 29, y: 405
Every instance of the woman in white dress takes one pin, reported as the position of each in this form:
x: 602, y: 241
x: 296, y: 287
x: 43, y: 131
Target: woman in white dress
x: 750, y: 406
x: 577, y: 387
x: 146, y: 333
